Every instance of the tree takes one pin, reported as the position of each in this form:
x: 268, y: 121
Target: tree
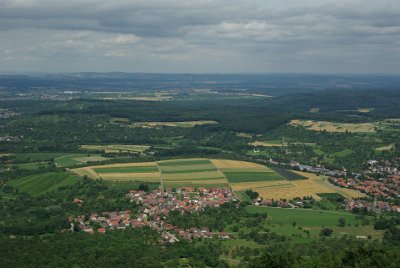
x: 326, y: 232
x: 342, y: 222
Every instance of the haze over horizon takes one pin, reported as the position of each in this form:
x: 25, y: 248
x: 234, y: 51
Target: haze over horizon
x: 218, y: 36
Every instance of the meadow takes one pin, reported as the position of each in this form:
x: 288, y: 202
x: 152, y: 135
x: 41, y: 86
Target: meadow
x: 288, y: 221
x: 43, y: 183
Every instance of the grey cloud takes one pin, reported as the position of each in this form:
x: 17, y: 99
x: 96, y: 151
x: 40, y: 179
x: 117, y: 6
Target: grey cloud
x: 201, y: 34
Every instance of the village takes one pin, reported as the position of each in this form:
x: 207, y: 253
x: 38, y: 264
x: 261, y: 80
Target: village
x: 386, y: 188
x: 153, y: 211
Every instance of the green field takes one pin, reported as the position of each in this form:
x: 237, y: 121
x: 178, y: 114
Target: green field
x: 287, y: 174
x: 252, y: 176
x: 37, y: 157
x: 31, y: 166
x: 43, y: 183
x: 189, y: 170
x: 132, y: 169
x: 303, y: 217
x: 184, y: 162
x: 280, y: 220
x: 69, y: 160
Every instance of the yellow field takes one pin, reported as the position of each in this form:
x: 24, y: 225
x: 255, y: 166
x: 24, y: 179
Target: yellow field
x: 266, y: 144
x: 193, y: 176
x: 244, y: 135
x: 386, y: 148
x: 90, y: 159
x: 334, y: 127
x: 140, y: 98
x: 198, y: 182
x: 5, y: 154
x: 365, y: 110
x: 296, y: 188
x: 259, y: 185
x: 115, y: 148
x: 183, y: 124
x: 222, y: 164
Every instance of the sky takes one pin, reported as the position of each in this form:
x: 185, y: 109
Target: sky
x: 200, y: 36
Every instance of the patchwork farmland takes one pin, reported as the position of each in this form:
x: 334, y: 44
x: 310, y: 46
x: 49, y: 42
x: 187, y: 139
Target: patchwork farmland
x: 238, y: 175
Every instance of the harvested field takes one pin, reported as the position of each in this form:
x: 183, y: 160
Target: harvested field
x: 365, y: 110
x: 312, y: 186
x: 256, y: 170
x: 91, y: 159
x: 86, y: 171
x: 183, y: 124
x: 267, y: 144
x: 333, y: 126
x: 199, y: 183
x: 259, y: 184
x: 386, y: 148
x: 187, y: 168
x: 193, y: 176
x: 222, y: 164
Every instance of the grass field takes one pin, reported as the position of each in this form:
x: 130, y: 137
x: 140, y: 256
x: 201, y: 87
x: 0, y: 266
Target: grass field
x: 43, y: 183
x: 36, y: 160
x: 281, y: 221
x: 334, y: 127
x: 234, y: 177
x: 131, y: 169
x: 37, y: 157
x: 31, y: 166
x: 116, y: 148
x: 288, y: 174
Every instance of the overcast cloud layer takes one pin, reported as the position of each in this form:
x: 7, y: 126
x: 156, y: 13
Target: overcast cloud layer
x: 320, y: 36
